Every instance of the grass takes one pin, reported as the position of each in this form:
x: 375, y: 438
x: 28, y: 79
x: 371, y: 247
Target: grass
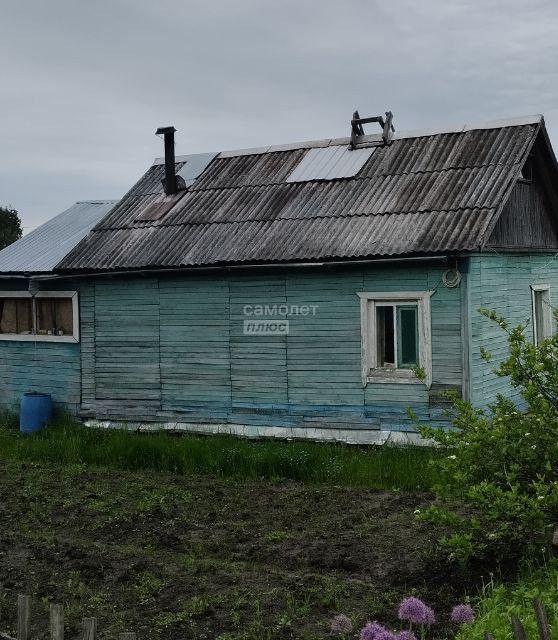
x: 500, y: 601
x: 66, y: 443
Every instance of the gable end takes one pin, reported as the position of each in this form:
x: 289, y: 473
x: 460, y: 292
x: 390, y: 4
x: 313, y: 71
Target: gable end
x: 529, y: 218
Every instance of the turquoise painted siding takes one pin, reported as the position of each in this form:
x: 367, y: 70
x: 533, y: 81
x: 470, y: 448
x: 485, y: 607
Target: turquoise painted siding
x: 194, y: 343
x: 502, y: 282
x: 52, y: 367
x: 174, y: 348
x: 49, y: 368
x: 258, y: 364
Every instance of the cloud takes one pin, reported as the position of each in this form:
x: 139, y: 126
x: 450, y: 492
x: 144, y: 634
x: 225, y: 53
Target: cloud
x: 84, y: 85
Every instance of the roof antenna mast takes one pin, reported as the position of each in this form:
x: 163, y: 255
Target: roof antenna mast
x: 357, y: 130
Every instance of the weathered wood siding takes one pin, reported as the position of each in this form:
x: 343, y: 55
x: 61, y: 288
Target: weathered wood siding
x: 174, y: 348
x: 48, y: 367
x: 502, y: 283
x: 526, y: 220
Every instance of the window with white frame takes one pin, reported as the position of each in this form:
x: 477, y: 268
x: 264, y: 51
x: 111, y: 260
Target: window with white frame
x: 542, y: 312
x: 395, y: 331
x: 50, y: 316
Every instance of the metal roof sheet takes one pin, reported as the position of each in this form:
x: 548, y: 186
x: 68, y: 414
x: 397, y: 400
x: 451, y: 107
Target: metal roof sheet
x: 419, y: 195
x: 194, y: 165
x: 330, y: 163
x: 41, y: 249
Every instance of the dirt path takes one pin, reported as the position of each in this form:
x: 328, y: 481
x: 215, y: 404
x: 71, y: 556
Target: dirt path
x: 197, y: 557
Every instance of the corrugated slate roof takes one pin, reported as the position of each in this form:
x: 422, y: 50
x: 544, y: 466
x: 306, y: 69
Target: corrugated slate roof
x: 41, y: 249
x: 431, y: 193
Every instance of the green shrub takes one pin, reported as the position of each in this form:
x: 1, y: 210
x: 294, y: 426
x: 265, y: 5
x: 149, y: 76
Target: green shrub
x: 501, y: 464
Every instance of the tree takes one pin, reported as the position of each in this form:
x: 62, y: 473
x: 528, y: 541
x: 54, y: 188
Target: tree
x: 10, y: 226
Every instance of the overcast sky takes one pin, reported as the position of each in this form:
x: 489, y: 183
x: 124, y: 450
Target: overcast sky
x: 83, y: 85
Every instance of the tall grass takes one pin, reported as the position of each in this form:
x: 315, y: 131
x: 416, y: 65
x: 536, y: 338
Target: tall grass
x: 227, y: 456
x: 499, y: 602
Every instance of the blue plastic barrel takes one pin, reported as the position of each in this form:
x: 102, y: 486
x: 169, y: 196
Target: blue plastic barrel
x: 35, y: 411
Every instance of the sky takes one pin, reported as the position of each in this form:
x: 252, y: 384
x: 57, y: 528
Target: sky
x: 84, y: 85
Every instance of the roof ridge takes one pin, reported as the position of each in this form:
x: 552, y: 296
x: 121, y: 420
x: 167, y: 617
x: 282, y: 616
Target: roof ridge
x: 398, y: 135
x: 108, y: 201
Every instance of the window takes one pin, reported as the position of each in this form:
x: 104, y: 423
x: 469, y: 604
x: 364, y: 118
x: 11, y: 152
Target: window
x: 395, y: 329
x: 50, y: 316
x: 542, y: 312
x: 16, y: 316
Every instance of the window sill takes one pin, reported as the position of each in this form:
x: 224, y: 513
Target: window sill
x: 15, y: 337
x: 393, y: 376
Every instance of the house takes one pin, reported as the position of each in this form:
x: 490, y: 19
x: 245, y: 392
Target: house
x: 298, y: 290
x: 45, y: 360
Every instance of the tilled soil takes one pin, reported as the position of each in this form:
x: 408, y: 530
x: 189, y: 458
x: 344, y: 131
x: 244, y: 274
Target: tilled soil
x: 198, y: 557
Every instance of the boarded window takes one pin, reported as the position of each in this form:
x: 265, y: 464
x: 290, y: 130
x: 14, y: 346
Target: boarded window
x: 542, y: 313
x: 16, y: 316
x: 55, y: 316
x: 51, y: 316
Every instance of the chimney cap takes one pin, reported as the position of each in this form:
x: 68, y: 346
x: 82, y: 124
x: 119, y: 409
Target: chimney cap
x: 162, y: 130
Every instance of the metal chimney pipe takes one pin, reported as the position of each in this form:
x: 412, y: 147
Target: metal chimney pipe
x: 169, y: 182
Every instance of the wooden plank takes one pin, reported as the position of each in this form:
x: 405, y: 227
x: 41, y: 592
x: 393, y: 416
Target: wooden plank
x: 23, y: 617
x: 56, y: 622
x: 89, y: 627
x: 517, y: 628
x: 542, y: 620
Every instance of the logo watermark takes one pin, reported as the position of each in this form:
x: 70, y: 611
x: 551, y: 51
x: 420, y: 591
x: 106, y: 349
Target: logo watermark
x: 266, y: 327
x: 273, y: 319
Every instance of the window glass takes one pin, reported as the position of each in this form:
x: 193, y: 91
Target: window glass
x: 407, y: 337
x: 16, y: 316
x: 55, y: 316
x: 397, y: 333
x: 384, y: 331
x: 539, y: 315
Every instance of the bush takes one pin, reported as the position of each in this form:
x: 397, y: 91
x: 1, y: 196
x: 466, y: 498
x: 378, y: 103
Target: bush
x: 501, y: 464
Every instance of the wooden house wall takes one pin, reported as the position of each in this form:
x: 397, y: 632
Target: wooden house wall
x: 172, y: 348
x: 501, y: 282
x: 48, y: 367
x: 526, y: 220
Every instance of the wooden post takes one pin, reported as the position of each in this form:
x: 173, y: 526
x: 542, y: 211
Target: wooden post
x: 127, y: 636
x: 518, y: 630
x: 23, y: 617
x: 542, y: 620
x: 57, y: 622
x: 89, y: 628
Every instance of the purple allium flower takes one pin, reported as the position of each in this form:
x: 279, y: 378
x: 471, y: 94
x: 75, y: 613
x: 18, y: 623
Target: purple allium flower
x: 385, y: 635
x: 462, y: 613
x: 372, y: 631
x: 341, y: 624
x: 415, y: 611
x: 405, y: 635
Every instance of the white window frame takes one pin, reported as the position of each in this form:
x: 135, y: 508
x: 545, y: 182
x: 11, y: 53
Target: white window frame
x: 547, y: 311
x: 35, y: 337
x: 370, y: 370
